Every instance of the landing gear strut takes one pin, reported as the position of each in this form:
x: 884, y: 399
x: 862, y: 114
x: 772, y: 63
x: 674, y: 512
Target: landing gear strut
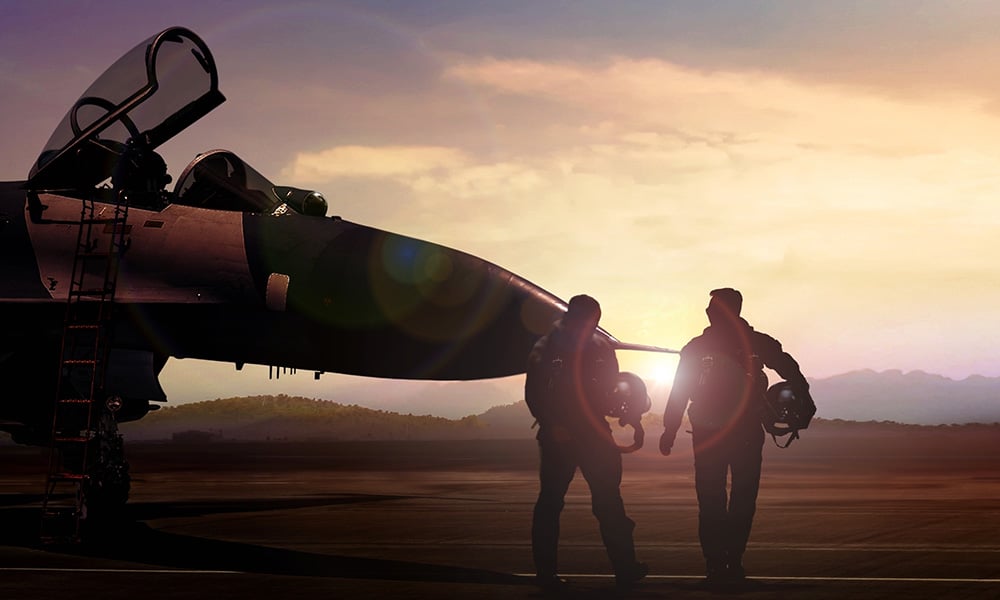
x: 108, y: 481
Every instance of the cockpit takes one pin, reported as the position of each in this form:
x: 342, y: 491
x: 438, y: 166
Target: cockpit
x: 223, y: 181
x: 149, y: 95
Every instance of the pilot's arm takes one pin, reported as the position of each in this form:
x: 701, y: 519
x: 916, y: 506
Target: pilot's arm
x: 606, y: 364
x: 535, y: 383
x: 774, y: 357
x: 680, y: 393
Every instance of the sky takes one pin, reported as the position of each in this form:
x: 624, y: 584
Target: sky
x: 837, y: 162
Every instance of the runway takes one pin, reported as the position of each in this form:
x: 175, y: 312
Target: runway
x: 451, y: 520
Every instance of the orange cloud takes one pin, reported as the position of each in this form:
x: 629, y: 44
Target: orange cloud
x: 365, y: 161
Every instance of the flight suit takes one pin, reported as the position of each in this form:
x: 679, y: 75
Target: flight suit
x: 568, y: 382
x: 721, y: 374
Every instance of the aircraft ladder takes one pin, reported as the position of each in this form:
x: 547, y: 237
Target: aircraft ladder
x: 83, y: 360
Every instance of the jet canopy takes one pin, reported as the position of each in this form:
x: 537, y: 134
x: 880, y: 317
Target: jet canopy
x: 220, y: 180
x: 149, y: 95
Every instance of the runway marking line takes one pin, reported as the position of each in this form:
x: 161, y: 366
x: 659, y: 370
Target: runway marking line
x: 140, y: 571
x: 531, y: 575
x: 780, y: 578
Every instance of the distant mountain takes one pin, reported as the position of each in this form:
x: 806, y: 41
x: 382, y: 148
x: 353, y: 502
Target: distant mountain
x: 295, y: 418
x: 301, y: 419
x: 452, y: 399
x: 511, y: 418
x: 915, y: 397
x: 187, y: 381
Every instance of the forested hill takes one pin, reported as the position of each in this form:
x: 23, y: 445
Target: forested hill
x: 284, y: 417
x: 296, y: 418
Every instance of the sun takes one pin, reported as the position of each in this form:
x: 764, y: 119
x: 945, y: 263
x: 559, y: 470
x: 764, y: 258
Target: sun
x: 656, y: 370
x: 661, y: 374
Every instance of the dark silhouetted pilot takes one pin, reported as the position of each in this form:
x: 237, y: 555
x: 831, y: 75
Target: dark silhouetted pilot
x: 721, y: 374
x: 571, y: 374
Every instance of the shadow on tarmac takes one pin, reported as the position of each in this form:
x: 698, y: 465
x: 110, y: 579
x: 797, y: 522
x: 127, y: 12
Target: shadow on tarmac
x: 129, y: 539
x: 18, y: 499
x: 143, y: 511
x: 750, y: 586
x: 690, y: 588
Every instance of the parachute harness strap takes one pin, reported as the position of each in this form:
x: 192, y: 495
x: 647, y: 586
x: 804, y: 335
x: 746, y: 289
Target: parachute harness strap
x: 638, y: 438
x: 791, y: 438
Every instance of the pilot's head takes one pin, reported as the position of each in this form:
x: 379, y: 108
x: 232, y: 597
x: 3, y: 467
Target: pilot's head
x: 583, y: 313
x: 724, y: 307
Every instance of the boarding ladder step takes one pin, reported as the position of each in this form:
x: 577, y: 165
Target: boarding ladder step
x: 86, y: 345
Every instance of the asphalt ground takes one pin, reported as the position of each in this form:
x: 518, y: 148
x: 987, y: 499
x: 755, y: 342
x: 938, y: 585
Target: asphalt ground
x: 838, y: 517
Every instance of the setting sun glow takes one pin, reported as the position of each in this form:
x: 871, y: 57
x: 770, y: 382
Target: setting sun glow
x: 656, y: 370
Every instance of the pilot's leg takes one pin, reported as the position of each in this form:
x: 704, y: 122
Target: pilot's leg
x: 746, y: 466
x: 601, y: 466
x: 558, y: 465
x: 710, y: 473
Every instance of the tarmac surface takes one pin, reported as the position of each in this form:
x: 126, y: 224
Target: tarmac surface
x: 838, y: 517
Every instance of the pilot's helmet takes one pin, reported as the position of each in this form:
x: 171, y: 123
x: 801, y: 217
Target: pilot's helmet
x: 629, y: 399
x: 784, y: 410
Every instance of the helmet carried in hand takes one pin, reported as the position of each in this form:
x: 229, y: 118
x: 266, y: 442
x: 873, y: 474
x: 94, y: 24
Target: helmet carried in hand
x: 786, y: 410
x: 628, y: 402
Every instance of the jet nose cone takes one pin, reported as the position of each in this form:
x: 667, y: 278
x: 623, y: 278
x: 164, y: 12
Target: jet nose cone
x: 453, y: 314
x: 477, y: 319
x: 439, y: 294
x: 410, y: 309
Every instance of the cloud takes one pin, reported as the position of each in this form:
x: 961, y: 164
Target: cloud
x: 654, y: 92
x: 647, y: 183
x: 482, y: 181
x: 739, y: 165
x: 364, y: 161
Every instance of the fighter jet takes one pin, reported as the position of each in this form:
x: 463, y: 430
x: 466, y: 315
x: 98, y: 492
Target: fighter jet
x: 106, y: 274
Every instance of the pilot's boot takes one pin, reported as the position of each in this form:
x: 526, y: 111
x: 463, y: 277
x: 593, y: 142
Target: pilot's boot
x: 735, y: 573
x: 716, y: 570
x: 627, y: 576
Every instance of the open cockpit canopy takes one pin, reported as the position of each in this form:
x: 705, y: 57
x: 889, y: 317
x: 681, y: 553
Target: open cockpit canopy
x: 149, y: 95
